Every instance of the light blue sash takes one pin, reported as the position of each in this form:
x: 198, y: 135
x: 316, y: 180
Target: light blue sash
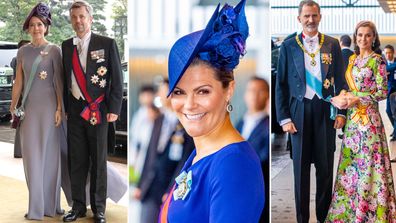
x: 316, y: 85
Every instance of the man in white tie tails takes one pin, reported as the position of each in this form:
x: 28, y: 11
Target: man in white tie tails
x: 93, y: 97
x: 310, y: 73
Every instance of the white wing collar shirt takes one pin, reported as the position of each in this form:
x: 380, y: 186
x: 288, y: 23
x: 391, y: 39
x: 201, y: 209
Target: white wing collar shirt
x: 311, y: 44
x: 82, y: 48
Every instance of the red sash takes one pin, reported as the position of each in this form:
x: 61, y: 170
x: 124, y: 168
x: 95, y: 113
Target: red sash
x: 91, y: 112
x: 163, y: 216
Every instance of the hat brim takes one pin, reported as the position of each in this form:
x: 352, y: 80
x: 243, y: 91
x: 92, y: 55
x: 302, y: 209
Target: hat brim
x: 185, y: 50
x: 32, y: 13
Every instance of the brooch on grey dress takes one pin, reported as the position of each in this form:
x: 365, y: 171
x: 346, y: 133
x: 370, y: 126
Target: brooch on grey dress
x: 184, y: 182
x: 43, y: 75
x: 43, y: 53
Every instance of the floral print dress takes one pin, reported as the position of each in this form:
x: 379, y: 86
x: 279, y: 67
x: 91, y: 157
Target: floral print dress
x: 364, y: 190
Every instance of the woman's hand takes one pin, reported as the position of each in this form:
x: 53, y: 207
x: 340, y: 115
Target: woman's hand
x: 352, y: 100
x: 340, y: 101
x: 58, y: 117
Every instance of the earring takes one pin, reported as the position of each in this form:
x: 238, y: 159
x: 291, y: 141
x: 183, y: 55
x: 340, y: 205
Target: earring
x: 373, y: 44
x: 229, y: 107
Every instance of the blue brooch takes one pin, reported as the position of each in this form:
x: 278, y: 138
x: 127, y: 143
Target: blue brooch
x: 184, y: 182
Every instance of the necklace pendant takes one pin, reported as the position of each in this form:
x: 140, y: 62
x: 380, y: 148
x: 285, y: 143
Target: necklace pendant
x: 313, y: 63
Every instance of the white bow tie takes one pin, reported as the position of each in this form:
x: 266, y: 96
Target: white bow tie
x: 76, y: 41
x: 308, y: 39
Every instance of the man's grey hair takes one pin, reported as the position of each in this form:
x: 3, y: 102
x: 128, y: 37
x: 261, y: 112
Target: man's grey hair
x: 307, y: 3
x: 82, y: 3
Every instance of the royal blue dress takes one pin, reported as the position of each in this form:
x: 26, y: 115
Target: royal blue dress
x: 227, y: 186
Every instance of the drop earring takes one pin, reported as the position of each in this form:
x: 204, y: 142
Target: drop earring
x: 229, y: 107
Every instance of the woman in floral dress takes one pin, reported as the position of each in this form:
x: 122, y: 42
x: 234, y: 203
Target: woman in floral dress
x: 364, y: 189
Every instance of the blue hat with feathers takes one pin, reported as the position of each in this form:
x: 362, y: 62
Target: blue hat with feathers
x: 222, y: 43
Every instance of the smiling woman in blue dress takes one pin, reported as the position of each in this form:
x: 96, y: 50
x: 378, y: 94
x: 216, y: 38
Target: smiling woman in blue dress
x: 222, y: 179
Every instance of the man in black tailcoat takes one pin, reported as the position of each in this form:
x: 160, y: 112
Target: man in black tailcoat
x: 93, y: 96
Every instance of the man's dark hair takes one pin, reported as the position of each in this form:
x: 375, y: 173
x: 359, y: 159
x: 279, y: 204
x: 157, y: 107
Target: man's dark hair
x: 389, y: 47
x: 257, y: 78
x: 147, y: 88
x: 307, y: 3
x: 346, y: 40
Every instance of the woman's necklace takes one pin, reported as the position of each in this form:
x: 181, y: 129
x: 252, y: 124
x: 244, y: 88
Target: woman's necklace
x: 365, y: 57
x: 36, y: 45
x: 361, y: 62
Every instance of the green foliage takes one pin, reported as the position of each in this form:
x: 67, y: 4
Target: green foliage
x: 14, y: 13
x: 98, y: 16
x: 120, y: 24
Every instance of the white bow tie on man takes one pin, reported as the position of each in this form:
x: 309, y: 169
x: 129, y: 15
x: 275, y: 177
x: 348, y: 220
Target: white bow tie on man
x: 311, y: 40
x: 78, y: 42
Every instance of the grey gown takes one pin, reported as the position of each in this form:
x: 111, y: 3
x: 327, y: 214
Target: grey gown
x: 39, y: 138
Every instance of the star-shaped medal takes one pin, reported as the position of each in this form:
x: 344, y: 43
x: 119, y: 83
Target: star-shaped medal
x: 93, y: 120
x: 94, y: 79
x: 102, y: 83
x: 43, y: 75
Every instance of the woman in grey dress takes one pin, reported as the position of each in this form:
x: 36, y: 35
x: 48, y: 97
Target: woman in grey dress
x: 42, y: 132
x: 39, y: 130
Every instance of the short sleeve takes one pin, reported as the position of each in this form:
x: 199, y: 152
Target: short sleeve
x: 237, y: 193
x: 19, y: 55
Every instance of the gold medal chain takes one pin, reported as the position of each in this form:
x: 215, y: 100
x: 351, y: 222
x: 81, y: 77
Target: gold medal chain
x: 312, y: 55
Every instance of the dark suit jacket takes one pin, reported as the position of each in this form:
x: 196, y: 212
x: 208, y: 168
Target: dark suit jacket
x: 259, y: 138
x: 346, y: 53
x: 114, y: 77
x: 391, y: 69
x: 291, y: 88
x: 159, y: 170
